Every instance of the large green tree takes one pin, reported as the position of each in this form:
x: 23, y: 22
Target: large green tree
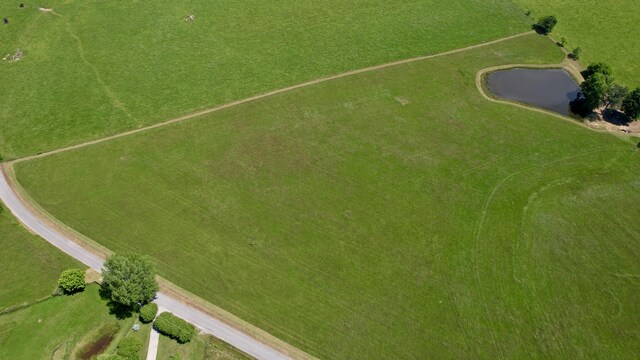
x: 631, y: 104
x: 598, y: 67
x: 594, y: 89
x: 129, y: 279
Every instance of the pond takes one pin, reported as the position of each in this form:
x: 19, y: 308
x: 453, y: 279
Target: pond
x: 551, y: 89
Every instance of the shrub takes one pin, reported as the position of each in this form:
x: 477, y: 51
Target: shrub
x: 576, y: 53
x: 545, y: 25
x: 148, y: 312
x: 129, y: 348
x: 71, y: 281
x: 174, y: 327
x: 631, y: 104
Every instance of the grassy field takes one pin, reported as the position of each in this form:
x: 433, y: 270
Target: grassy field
x: 392, y: 214
x: 58, y: 328
x: 202, y: 347
x: 30, y: 266
x: 100, y: 67
x: 605, y: 32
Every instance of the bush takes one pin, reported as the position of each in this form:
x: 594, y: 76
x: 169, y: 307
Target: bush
x: 576, y: 53
x: 545, y: 25
x: 631, y: 104
x: 174, y: 327
x: 71, y: 281
x: 129, y: 348
x: 148, y: 312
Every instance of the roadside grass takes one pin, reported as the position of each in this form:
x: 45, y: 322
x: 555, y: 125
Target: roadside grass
x: 30, y: 266
x: 200, y: 348
x: 59, y: 328
x: 390, y: 214
x: 606, y: 32
x: 94, y: 68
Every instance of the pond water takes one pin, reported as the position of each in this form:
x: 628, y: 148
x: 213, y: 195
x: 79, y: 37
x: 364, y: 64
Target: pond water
x: 551, y: 89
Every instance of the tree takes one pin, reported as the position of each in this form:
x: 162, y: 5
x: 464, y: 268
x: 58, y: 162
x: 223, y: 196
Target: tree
x: 598, y: 67
x: 576, y: 53
x: 594, y: 90
x: 545, y: 24
x: 148, y: 312
x: 614, y: 96
x: 631, y: 104
x: 71, y: 281
x: 129, y: 279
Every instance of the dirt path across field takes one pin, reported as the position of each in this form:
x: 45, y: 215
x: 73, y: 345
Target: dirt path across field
x: 268, y: 94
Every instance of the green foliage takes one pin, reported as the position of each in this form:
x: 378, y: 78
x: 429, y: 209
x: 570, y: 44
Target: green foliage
x: 130, y: 279
x: 631, y: 104
x: 615, y: 95
x: 174, y: 357
x: 576, y: 53
x: 598, y: 67
x: 71, y: 281
x: 129, y: 348
x: 594, y: 90
x: 545, y: 24
x: 563, y: 41
x: 148, y: 312
x: 174, y: 327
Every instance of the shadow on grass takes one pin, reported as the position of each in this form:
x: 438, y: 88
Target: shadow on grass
x: 120, y: 311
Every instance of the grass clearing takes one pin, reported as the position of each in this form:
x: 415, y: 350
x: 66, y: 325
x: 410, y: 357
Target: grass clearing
x: 392, y: 214
x: 200, y: 348
x: 118, y: 65
x: 606, y: 32
x: 25, y: 277
x: 62, y: 327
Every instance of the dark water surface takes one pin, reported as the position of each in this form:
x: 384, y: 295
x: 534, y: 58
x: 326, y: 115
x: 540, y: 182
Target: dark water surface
x: 551, y: 89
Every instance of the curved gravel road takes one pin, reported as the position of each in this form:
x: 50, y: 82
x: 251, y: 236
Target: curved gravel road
x: 201, y: 320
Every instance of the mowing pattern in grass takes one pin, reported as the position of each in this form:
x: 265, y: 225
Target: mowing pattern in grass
x: 393, y: 214
x: 100, y: 67
x: 56, y: 328
x: 30, y: 266
x: 606, y: 32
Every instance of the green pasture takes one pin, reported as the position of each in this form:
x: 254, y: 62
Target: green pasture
x: 61, y: 327
x: 606, y: 31
x: 93, y: 68
x: 202, y: 347
x: 30, y: 266
x: 391, y: 214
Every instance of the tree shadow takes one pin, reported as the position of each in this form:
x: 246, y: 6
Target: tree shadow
x: 616, y: 117
x: 120, y: 311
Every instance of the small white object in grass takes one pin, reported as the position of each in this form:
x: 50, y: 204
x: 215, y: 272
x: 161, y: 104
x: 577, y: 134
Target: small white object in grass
x: 190, y: 18
x: 136, y: 327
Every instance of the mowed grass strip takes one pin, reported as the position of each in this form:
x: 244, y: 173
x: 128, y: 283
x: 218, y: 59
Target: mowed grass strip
x: 30, y: 266
x: 391, y: 214
x: 605, y: 33
x: 95, y: 68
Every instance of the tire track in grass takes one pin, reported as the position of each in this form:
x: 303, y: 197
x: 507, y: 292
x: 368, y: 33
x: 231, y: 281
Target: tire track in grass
x: 269, y: 94
x: 481, y: 222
